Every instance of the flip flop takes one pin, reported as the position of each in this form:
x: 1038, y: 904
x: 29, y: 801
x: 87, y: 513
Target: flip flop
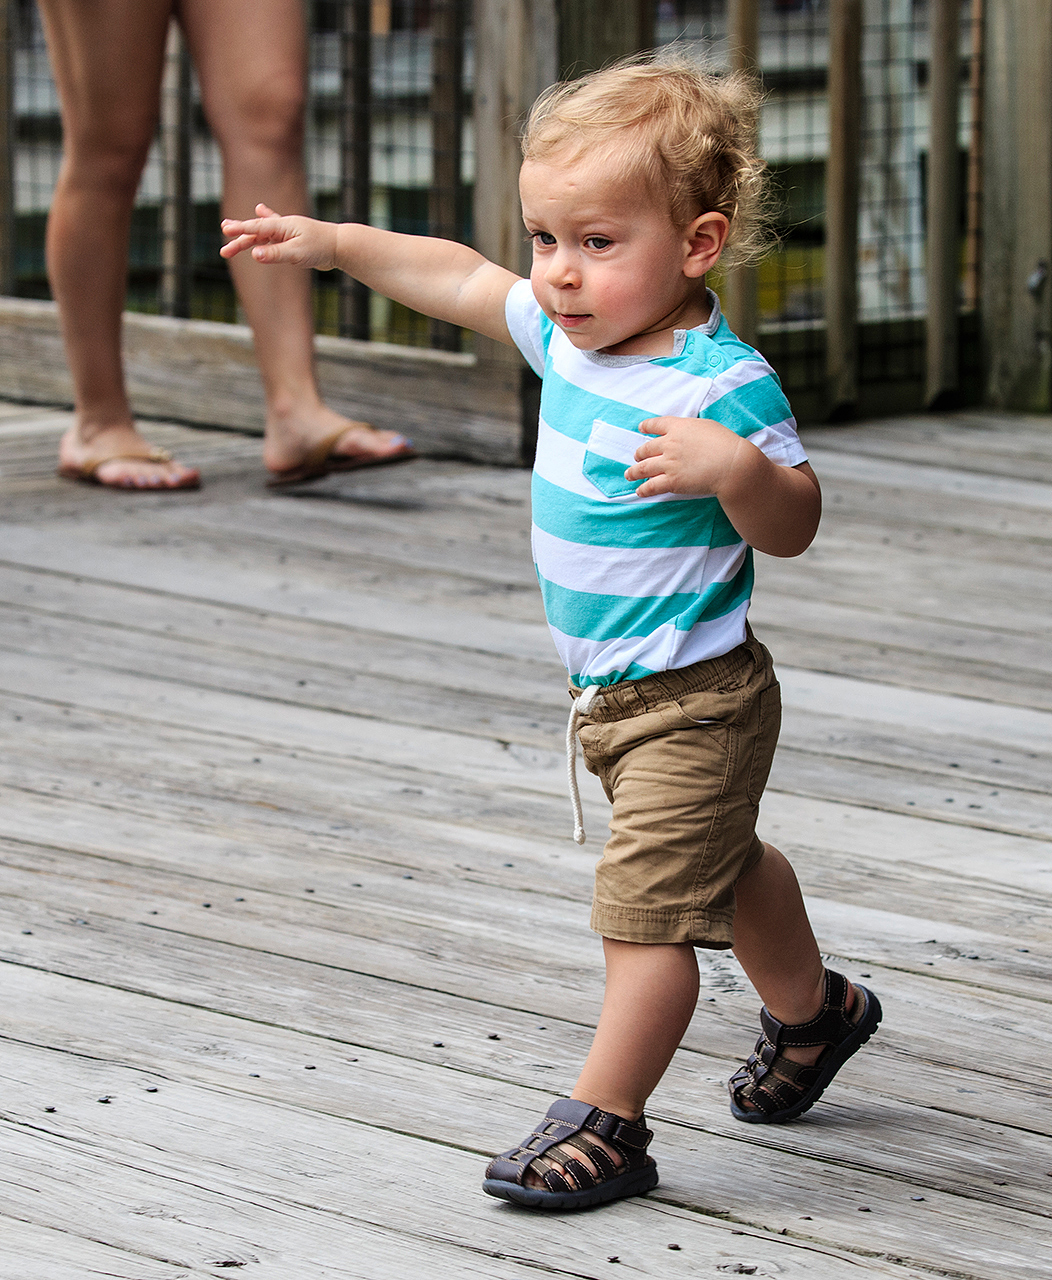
x: 321, y: 461
x: 88, y: 471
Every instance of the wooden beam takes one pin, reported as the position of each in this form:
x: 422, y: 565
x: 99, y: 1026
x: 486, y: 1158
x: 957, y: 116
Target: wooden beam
x: 177, y: 210
x: 204, y: 372
x: 447, y: 119
x: 743, y: 35
x: 592, y: 35
x: 7, y: 139
x: 516, y: 57
x: 1017, y: 204
x: 974, y: 216
x: 355, y: 150
x: 943, y: 247
x: 842, y: 192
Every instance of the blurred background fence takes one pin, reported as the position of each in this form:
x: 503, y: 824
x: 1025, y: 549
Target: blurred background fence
x: 855, y: 96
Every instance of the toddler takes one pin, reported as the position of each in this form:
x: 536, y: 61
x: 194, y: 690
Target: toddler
x: 666, y: 452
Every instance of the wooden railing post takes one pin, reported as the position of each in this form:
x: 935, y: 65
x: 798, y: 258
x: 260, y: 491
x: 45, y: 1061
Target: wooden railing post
x: 356, y: 59
x: 1017, y: 204
x: 743, y: 36
x: 842, y: 191
x: 973, y: 232
x: 177, y: 209
x: 592, y: 35
x: 943, y: 232
x: 447, y: 117
x: 516, y: 56
x: 7, y: 147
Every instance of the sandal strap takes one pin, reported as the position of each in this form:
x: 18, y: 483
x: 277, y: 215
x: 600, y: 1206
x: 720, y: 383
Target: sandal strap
x: 148, y: 453
x: 581, y: 1174
x: 828, y: 1027
x: 565, y: 1119
x: 595, y: 1153
x: 771, y: 1082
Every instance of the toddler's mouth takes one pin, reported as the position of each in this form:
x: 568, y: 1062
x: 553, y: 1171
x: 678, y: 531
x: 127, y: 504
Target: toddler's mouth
x: 571, y: 321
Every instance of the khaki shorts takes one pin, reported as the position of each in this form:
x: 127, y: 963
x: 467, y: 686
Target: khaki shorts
x: 684, y: 757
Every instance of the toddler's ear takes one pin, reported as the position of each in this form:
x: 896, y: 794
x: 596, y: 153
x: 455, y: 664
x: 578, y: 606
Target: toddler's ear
x: 704, y: 239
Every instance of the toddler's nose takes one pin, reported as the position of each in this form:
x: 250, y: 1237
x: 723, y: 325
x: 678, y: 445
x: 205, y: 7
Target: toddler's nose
x: 562, y: 272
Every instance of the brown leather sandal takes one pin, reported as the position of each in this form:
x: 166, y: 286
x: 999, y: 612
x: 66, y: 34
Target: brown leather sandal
x: 568, y: 1123
x: 778, y: 1089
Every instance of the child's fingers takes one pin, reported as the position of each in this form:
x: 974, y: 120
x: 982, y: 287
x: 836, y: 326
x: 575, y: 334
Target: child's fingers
x: 233, y: 247
x: 645, y: 468
x: 649, y: 449
x: 271, y: 253
x: 654, y: 427
x: 265, y: 211
x: 655, y: 485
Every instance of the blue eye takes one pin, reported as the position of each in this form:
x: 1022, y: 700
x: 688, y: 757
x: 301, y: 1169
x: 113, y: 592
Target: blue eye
x: 543, y: 237
x: 598, y: 242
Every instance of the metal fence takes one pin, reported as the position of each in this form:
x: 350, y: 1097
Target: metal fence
x: 390, y: 140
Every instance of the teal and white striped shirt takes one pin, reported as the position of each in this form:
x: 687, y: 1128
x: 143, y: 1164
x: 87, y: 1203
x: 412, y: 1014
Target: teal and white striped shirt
x: 637, y: 585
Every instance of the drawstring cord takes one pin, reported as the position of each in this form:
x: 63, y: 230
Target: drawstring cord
x: 581, y: 707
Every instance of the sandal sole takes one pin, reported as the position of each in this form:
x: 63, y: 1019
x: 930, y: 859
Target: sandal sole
x: 335, y: 465
x: 864, y: 1028
x: 625, y: 1184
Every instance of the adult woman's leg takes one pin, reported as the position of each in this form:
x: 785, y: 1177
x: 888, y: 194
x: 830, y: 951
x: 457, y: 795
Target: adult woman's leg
x: 107, y: 57
x: 251, y: 62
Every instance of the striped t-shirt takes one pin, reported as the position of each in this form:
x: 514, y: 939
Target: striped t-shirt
x: 637, y: 585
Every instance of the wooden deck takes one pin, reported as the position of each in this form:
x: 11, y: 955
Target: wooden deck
x: 294, y: 935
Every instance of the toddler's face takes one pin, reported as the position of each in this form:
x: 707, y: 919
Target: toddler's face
x: 608, y: 261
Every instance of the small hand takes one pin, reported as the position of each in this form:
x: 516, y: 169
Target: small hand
x: 687, y: 455
x: 303, y: 242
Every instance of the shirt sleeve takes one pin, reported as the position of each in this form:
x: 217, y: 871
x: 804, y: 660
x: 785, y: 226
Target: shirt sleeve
x: 523, y: 315
x: 748, y: 399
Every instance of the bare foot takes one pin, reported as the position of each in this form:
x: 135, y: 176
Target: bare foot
x: 291, y: 437
x: 120, y: 458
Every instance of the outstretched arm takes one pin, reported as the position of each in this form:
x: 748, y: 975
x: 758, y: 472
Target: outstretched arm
x: 440, y: 278
x: 775, y: 509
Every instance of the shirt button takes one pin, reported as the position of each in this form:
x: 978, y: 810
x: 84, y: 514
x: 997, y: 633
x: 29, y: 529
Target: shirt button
x: 714, y: 360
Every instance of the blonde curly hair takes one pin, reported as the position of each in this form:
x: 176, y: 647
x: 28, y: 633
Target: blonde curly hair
x: 684, y: 132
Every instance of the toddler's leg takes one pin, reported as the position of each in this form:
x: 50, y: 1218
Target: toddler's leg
x: 774, y: 942
x: 651, y: 992
x: 592, y: 1148
x: 777, y: 949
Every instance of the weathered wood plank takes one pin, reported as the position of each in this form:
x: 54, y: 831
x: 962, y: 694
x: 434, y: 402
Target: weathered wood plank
x: 836, y: 1181
x: 167, y: 756
x: 484, y: 760
x: 280, y: 593
x: 939, y: 751
x: 310, y: 1187
x: 59, y: 1253
x: 861, y: 643
x: 463, y: 969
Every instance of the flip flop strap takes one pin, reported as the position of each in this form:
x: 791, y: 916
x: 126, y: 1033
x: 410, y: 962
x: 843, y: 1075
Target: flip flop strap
x: 150, y: 453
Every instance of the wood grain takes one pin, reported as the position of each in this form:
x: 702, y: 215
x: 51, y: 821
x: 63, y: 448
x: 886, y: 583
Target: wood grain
x: 336, y: 719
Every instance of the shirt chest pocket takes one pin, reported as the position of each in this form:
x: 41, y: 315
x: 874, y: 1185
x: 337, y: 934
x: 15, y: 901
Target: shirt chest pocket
x: 609, y: 452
